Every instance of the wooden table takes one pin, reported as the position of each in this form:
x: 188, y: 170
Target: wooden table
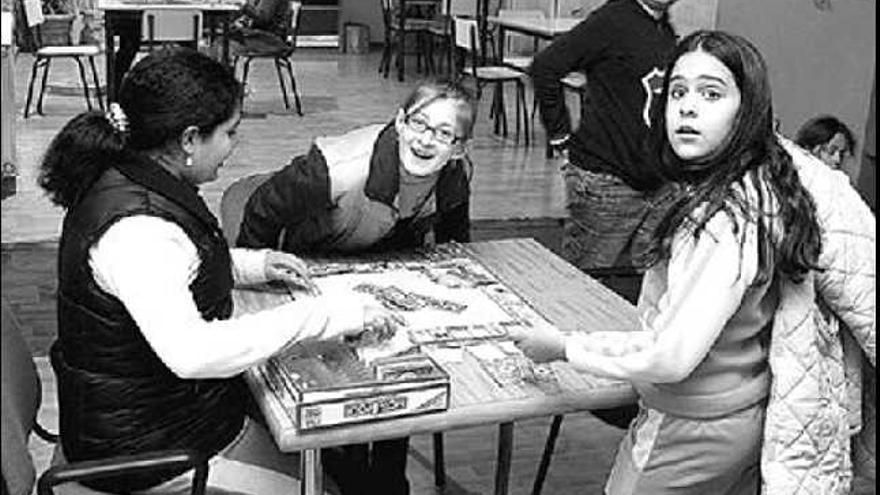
x: 547, y: 28
x: 115, y: 10
x: 566, y: 297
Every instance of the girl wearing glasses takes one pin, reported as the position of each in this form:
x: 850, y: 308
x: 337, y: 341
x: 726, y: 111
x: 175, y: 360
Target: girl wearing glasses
x: 379, y: 187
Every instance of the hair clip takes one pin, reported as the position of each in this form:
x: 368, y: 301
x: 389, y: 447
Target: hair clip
x: 117, y: 119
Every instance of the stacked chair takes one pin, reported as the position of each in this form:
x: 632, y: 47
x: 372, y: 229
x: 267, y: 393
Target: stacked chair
x: 281, y: 55
x: 475, y: 65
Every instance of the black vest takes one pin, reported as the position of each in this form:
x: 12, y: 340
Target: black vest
x: 115, y: 395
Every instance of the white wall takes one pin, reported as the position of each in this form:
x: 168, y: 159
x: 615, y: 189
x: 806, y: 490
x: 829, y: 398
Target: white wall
x: 821, y: 61
x: 367, y: 12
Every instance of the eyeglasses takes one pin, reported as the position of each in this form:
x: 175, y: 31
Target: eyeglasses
x: 442, y: 136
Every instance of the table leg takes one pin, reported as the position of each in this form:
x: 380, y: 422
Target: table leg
x: 109, y: 55
x: 500, y: 44
x: 547, y: 455
x: 225, y: 51
x: 505, y: 452
x: 311, y: 472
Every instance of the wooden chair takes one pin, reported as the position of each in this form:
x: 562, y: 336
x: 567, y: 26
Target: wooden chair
x: 490, y: 72
x: 21, y: 391
x: 280, y: 53
x: 43, y: 57
x: 232, y: 203
x: 440, y: 30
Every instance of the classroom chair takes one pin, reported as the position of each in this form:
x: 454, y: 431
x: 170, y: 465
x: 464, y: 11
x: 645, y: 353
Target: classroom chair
x: 22, y: 396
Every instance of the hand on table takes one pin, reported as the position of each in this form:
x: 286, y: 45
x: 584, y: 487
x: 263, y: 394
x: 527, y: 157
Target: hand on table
x: 359, y: 318
x: 290, y: 269
x: 541, y: 345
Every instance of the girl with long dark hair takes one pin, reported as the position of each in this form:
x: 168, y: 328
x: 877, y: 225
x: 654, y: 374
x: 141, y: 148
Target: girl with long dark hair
x: 737, y: 260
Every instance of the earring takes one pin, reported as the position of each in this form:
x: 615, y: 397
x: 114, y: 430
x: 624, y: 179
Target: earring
x: 189, y: 161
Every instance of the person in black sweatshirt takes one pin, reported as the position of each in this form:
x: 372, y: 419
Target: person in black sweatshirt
x: 610, y: 192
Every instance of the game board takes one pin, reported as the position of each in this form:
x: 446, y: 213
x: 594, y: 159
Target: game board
x: 441, y: 297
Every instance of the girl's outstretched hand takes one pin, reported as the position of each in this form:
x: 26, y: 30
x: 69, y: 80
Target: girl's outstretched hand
x: 541, y: 345
x: 358, y: 319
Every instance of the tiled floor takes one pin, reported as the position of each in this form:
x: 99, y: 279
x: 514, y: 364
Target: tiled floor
x: 339, y: 92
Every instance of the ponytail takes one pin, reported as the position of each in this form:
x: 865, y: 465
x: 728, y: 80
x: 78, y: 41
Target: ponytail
x: 84, y: 148
x: 162, y: 95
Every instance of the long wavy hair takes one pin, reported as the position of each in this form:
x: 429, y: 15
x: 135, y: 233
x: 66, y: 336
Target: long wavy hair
x: 789, y: 239
x: 161, y: 96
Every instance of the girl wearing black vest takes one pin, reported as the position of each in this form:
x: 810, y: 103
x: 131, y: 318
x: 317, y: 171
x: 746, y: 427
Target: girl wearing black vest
x: 147, y: 356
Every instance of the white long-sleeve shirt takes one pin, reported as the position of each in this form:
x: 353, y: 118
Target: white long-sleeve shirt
x: 708, y: 319
x: 148, y: 264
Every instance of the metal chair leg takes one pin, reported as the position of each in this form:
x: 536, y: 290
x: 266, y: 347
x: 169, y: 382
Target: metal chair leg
x: 43, y: 86
x: 499, y: 89
x: 281, y: 84
x: 495, y: 110
x: 521, y: 93
x: 401, y: 54
x: 549, y: 445
x: 85, y: 83
x: 296, y: 99
x: 385, y: 62
x: 244, y: 74
x: 505, y: 452
x: 517, y: 101
x: 27, y: 103
x: 98, y: 93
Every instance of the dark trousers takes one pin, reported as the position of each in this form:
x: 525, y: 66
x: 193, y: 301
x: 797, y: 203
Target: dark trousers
x: 365, y: 469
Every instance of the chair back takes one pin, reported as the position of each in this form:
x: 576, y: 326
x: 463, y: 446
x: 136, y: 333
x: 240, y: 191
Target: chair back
x: 521, y: 14
x: 294, y: 13
x: 465, y: 32
x: 53, y: 30
x: 21, y: 396
x: 460, y: 7
x: 527, y: 14
x: 172, y: 26
x: 233, y: 201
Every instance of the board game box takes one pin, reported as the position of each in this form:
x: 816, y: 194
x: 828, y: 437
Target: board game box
x: 336, y: 388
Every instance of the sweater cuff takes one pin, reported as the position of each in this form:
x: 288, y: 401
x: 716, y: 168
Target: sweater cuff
x: 574, y: 350
x: 249, y: 265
